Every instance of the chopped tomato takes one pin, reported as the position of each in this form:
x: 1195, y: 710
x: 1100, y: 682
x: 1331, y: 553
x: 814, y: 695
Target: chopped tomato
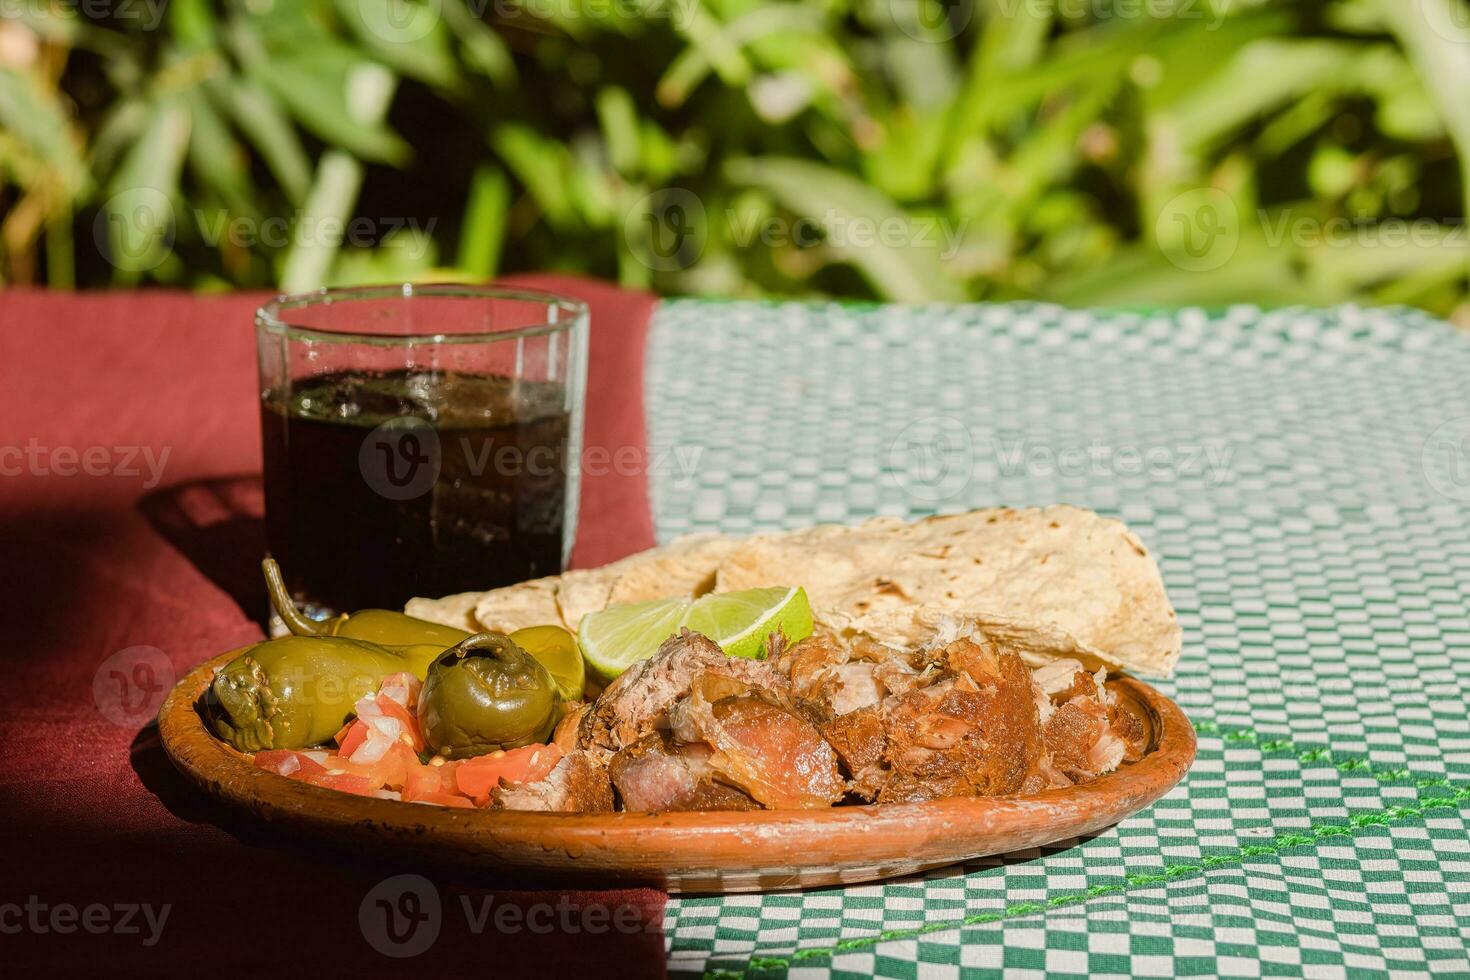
x: 345, y: 782
x: 384, y: 722
x: 332, y: 773
x: 421, y: 781
x: 356, y: 734
x: 478, y: 776
x: 389, y: 770
x: 430, y: 781
x: 542, y: 761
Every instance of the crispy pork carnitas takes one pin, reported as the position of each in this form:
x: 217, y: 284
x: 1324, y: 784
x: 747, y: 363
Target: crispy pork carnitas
x: 827, y: 721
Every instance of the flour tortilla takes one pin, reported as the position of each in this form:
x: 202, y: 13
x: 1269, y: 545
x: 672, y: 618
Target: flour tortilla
x: 684, y: 567
x: 452, y: 610
x: 1054, y: 582
x: 1076, y: 583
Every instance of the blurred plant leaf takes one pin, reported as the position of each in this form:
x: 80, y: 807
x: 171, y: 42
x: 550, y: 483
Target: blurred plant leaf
x: 1054, y: 142
x: 122, y: 125
x: 904, y: 162
x: 592, y: 187
x: 314, y: 245
x: 156, y: 159
x: 60, y: 25
x: 404, y: 255
x: 320, y: 91
x: 484, y: 51
x: 657, y: 153
x: 1436, y: 35
x: 140, y: 215
x: 269, y: 130
x: 619, y: 119
x: 483, y: 232
x: 925, y: 75
x: 34, y: 116
x: 324, y: 85
x: 408, y: 36
x: 543, y: 166
x: 216, y: 158
x: 1367, y: 256
x: 906, y: 272
x: 1143, y: 277
x: 331, y: 202
x: 1265, y: 74
x: 192, y: 23
x: 718, y: 47
x: 1088, y: 56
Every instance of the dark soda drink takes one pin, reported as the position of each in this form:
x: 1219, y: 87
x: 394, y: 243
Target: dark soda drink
x: 385, y: 486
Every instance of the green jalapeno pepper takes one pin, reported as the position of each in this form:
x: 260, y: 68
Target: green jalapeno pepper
x: 557, y: 650
x: 297, y: 691
x: 483, y: 694
x: 381, y: 626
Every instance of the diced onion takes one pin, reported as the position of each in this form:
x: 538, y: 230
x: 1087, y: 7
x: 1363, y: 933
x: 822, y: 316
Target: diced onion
x: 403, y: 688
x: 391, y: 728
x: 373, y: 748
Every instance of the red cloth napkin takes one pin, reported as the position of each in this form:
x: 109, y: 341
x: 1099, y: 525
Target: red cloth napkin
x: 129, y: 529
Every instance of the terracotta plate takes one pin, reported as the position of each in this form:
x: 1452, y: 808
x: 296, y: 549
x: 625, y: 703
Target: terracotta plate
x: 689, y: 852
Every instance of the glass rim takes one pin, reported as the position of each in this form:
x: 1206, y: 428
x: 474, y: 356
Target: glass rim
x: 268, y: 315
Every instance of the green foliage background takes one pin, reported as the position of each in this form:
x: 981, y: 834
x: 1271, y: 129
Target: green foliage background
x: 1071, y: 150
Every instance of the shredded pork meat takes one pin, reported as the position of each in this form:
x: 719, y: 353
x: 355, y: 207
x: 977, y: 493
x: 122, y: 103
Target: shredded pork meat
x: 772, y: 753
x: 657, y: 774
x: 828, y: 720
x: 578, y: 784
x: 638, y: 702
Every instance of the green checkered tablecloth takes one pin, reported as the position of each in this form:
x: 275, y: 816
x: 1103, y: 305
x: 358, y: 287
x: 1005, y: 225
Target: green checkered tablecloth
x: 1304, y: 477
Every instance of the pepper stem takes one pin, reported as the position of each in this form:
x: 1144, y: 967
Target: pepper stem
x: 502, y: 647
x: 281, y: 602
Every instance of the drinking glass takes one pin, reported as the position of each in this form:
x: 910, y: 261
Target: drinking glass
x: 419, y: 440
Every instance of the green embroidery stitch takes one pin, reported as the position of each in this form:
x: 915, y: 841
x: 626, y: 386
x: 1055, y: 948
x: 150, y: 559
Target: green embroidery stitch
x: 1243, y: 736
x: 1237, y: 736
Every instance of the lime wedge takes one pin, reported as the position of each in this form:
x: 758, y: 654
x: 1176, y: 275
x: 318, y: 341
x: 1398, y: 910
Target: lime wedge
x: 740, y: 621
x: 619, y: 636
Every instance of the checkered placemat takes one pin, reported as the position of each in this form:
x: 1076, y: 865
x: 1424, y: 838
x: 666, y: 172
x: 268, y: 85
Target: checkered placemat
x: 1304, y: 478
